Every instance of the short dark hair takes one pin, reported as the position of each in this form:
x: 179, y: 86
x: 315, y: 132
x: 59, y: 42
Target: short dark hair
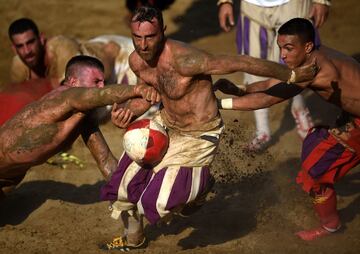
x: 22, y: 25
x: 147, y: 13
x: 74, y: 63
x: 300, y: 27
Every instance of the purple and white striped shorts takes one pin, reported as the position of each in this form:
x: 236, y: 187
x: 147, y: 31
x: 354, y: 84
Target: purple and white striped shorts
x: 154, y: 194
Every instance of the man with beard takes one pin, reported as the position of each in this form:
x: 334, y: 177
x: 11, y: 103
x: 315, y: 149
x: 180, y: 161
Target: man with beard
x: 182, y: 76
x: 37, y: 57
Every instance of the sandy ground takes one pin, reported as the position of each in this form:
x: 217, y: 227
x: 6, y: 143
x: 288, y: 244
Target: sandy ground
x: 255, y: 206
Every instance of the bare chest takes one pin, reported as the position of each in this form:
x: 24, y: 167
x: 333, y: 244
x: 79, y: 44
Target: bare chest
x: 168, y: 82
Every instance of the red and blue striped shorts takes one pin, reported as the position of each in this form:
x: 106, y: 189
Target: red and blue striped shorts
x: 324, y: 159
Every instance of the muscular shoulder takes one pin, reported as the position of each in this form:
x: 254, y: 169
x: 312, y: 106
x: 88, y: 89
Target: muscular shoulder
x: 328, y: 71
x: 187, y: 60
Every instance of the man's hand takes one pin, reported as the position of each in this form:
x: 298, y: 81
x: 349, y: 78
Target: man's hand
x: 227, y: 87
x: 304, y: 73
x: 121, y: 117
x: 319, y: 14
x: 148, y: 93
x: 226, y: 16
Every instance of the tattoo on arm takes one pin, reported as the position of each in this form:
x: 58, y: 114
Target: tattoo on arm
x: 98, y: 147
x: 191, y: 63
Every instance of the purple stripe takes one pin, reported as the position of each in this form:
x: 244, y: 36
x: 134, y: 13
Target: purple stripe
x: 317, y: 39
x: 246, y: 35
x: 327, y: 160
x: 239, y: 37
x: 150, y: 197
x: 181, y: 188
x: 138, y: 184
x: 204, y: 181
x: 312, y: 140
x: 110, y: 190
x: 263, y: 43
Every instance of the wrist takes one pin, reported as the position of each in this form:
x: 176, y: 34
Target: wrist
x: 324, y: 2
x: 220, y: 2
x: 225, y: 103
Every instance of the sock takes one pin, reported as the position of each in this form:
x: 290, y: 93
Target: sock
x: 325, y: 207
x: 262, y: 121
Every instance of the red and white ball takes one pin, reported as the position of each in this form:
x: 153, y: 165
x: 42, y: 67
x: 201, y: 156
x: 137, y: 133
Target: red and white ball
x: 145, y: 142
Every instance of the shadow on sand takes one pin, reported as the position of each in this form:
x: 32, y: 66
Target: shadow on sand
x: 193, y: 25
x: 29, y: 196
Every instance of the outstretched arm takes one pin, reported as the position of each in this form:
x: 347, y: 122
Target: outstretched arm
x: 274, y: 93
x: 190, y: 62
x: 83, y: 99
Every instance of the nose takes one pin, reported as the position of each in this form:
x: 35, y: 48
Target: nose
x: 143, y: 44
x: 27, y: 49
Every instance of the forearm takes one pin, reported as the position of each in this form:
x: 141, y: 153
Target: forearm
x: 228, y: 64
x: 248, y: 102
x: 257, y: 87
x: 100, y: 151
x: 138, y: 106
x: 83, y: 99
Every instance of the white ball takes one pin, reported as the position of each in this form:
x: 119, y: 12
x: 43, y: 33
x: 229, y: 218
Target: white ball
x: 146, y: 142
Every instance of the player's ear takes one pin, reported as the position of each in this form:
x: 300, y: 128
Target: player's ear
x: 309, y: 46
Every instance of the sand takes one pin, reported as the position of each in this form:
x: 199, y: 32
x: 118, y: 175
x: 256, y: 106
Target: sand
x: 255, y: 206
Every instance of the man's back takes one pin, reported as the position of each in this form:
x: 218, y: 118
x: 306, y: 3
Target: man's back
x: 38, y: 131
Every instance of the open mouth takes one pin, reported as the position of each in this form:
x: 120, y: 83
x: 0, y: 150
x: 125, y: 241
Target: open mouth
x: 30, y: 58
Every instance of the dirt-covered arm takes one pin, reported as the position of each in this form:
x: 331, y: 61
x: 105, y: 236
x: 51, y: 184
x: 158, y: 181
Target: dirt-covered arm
x: 99, y: 149
x: 190, y: 61
x: 83, y: 99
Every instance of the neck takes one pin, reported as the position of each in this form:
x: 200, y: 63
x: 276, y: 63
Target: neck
x: 153, y: 62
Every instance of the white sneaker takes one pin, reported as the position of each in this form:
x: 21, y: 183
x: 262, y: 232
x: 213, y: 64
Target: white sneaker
x: 259, y: 143
x: 303, y: 121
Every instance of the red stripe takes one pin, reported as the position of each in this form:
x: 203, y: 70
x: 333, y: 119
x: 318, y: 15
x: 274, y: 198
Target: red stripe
x: 156, y: 147
x: 316, y: 154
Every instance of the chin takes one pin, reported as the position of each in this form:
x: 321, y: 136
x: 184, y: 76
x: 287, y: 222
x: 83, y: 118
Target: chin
x: 290, y: 65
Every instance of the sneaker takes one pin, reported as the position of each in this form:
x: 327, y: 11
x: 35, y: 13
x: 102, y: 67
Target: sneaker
x: 303, y: 122
x: 121, y: 243
x: 259, y: 143
x: 310, y: 235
